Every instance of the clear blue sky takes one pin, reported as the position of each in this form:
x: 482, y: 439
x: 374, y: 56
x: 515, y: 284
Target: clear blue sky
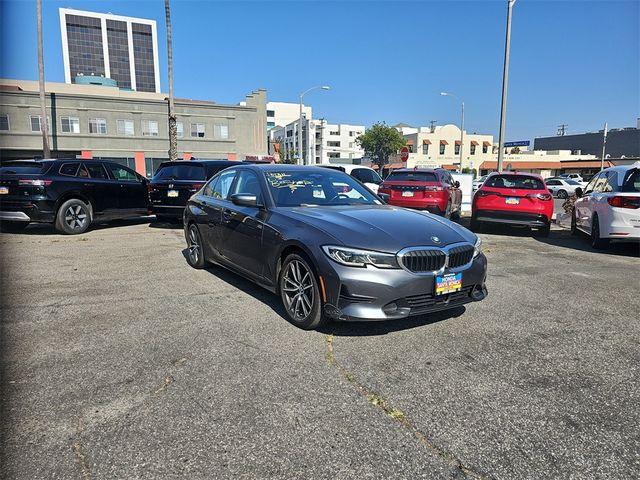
x: 573, y: 62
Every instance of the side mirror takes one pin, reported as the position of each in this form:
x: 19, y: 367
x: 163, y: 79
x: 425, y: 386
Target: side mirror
x: 456, y: 184
x: 385, y: 197
x: 245, y: 200
x: 579, y: 192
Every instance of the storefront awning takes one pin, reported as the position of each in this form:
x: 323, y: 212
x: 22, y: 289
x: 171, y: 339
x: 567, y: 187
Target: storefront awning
x: 426, y: 142
x: 443, y: 142
x: 457, y: 142
x: 409, y: 142
x: 486, y: 144
x: 490, y: 165
x: 473, y: 142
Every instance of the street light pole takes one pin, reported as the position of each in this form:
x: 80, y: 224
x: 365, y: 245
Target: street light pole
x: 301, y: 159
x: 446, y: 94
x: 505, y: 80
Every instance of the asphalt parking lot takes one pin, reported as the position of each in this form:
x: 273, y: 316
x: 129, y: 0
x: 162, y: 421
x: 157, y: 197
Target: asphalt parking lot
x: 120, y: 361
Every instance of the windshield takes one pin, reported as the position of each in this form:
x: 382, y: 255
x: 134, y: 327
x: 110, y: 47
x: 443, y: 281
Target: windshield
x: 522, y: 182
x: 180, y: 172
x: 296, y: 188
x: 24, y: 168
x: 412, y: 177
x: 366, y: 176
x: 632, y: 183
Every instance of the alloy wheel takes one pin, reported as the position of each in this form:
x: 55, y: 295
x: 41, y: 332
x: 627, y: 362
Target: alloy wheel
x: 75, y: 217
x: 298, y: 290
x: 194, y: 250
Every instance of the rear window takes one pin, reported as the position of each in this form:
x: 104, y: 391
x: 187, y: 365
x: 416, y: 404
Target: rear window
x: 180, y: 172
x: 522, y: 182
x: 632, y: 181
x: 412, y: 177
x: 23, y: 168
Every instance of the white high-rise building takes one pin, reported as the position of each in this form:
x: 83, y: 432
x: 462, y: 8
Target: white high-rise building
x: 124, y: 49
x: 280, y: 114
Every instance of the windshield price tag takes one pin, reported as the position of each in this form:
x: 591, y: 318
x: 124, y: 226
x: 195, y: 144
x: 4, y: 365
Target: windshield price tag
x: 449, y: 283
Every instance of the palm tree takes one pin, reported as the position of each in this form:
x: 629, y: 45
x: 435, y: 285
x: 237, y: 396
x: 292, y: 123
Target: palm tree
x: 173, y: 128
x: 46, y: 152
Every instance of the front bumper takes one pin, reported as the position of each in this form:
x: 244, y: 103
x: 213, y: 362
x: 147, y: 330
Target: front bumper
x: 512, y: 218
x: 364, y: 294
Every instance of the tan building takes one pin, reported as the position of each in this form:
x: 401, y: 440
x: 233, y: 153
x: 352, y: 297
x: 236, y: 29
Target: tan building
x: 440, y: 147
x: 545, y: 163
x: 96, y: 121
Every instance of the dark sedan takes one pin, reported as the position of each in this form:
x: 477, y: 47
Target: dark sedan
x: 329, y: 247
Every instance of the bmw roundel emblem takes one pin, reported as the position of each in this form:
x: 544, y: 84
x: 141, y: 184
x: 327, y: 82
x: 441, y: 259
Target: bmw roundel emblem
x: 435, y: 239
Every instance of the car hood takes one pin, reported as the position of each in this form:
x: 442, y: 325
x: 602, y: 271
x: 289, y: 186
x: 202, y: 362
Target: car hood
x: 382, y: 228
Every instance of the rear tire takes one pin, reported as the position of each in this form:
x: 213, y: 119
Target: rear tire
x: 574, y: 223
x: 596, y: 241
x: 195, y: 251
x: 562, y: 194
x: 300, y: 294
x: 73, y: 217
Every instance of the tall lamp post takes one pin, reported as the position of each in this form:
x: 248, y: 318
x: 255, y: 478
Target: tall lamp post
x: 301, y: 159
x: 505, y: 80
x: 446, y: 94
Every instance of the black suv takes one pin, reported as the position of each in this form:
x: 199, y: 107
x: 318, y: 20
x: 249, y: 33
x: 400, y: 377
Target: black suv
x: 69, y: 193
x: 175, y: 182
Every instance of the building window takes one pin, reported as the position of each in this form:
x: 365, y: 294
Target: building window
x: 410, y: 147
x: 484, y: 148
x: 4, y: 122
x: 220, y: 131
x: 334, y: 133
x: 271, y: 124
x: 149, y: 128
x: 472, y: 150
x: 35, y: 123
x: 333, y: 155
x: 271, y: 113
x: 98, y: 125
x: 442, y: 147
x: 350, y: 144
x: 125, y: 128
x: 352, y: 133
x: 425, y: 149
x: 289, y: 133
x: 180, y: 129
x: 197, y: 130
x: 333, y: 144
x: 456, y: 149
x: 70, y: 124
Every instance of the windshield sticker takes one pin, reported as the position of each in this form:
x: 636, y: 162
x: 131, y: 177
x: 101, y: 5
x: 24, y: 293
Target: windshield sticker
x: 282, y: 180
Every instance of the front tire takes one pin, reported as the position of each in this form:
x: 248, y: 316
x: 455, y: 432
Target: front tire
x: 195, y: 252
x: 73, y: 217
x: 596, y: 241
x: 300, y: 294
x: 562, y: 194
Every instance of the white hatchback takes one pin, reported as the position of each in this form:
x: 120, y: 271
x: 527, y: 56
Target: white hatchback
x: 609, y: 206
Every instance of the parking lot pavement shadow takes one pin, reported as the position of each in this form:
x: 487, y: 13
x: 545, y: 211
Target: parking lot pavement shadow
x: 154, y: 223
x: 564, y: 239
x: 48, y: 228
x: 368, y: 329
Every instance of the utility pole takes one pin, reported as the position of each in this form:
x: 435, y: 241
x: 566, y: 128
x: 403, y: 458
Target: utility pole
x: 562, y: 129
x: 173, y: 127
x: 44, y: 128
x: 604, y: 145
x: 505, y: 81
x: 432, y: 126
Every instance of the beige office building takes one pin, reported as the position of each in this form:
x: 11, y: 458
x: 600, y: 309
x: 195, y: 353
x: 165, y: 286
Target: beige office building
x: 96, y: 121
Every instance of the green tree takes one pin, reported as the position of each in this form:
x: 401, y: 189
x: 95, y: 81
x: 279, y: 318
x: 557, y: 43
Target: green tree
x: 379, y: 142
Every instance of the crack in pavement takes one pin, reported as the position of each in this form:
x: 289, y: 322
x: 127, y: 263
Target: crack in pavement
x: 81, y: 457
x: 397, y: 415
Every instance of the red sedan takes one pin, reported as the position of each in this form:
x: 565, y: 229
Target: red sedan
x: 433, y: 190
x: 513, y: 198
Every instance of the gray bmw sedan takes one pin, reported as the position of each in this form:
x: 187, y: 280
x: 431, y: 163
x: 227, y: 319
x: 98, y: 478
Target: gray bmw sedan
x: 329, y: 247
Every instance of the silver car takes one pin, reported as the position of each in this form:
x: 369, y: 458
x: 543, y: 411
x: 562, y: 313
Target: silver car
x: 562, y: 187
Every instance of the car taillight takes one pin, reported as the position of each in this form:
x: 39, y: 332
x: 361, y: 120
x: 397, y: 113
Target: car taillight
x: 624, y: 202
x: 151, y: 187
x: 197, y: 186
x: 433, y: 188
x: 545, y: 197
x: 35, y: 183
x: 486, y: 193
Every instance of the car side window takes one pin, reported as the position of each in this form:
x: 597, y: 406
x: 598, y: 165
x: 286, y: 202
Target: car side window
x: 553, y: 182
x: 590, y: 186
x: 122, y: 174
x: 223, y: 184
x: 248, y: 183
x: 82, y: 172
x: 208, y: 188
x: 96, y: 171
x: 69, y: 169
x: 610, y: 182
x: 600, y: 183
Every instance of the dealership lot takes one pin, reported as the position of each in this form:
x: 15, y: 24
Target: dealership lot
x: 120, y: 361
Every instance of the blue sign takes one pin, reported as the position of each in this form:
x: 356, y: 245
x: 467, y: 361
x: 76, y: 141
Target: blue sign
x: 522, y: 143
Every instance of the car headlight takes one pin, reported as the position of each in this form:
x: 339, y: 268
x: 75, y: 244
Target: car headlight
x: 477, y: 248
x: 359, y: 258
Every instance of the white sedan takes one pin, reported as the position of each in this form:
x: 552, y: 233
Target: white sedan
x: 609, y: 206
x: 562, y: 187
